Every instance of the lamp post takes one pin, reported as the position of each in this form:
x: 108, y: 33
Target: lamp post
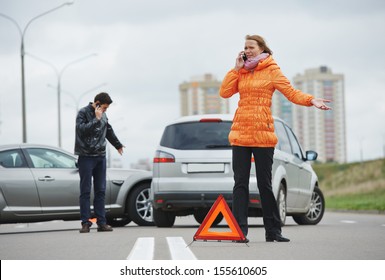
x: 22, y: 53
x: 59, y: 75
x: 361, y: 150
x: 383, y: 144
x: 79, y: 98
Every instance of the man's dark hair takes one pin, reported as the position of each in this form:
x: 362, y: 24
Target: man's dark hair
x: 103, y: 98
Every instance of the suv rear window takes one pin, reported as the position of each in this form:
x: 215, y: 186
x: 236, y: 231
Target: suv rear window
x: 197, y: 136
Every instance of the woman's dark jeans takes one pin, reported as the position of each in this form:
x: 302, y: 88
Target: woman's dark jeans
x: 263, y: 158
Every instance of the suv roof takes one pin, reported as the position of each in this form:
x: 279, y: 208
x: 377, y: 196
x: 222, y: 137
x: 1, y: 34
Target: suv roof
x: 193, y: 118
x: 224, y: 117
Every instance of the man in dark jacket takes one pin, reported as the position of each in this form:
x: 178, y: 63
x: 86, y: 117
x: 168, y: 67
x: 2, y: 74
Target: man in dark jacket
x: 92, y: 130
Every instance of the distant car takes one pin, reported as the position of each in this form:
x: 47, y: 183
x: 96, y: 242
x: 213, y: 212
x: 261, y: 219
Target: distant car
x: 193, y: 165
x: 41, y: 183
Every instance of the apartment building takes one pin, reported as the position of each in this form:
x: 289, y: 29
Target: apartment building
x: 201, y: 96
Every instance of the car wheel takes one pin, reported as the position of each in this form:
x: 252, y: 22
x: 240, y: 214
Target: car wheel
x: 139, y: 205
x: 281, y: 202
x: 118, y: 222
x: 163, y: 218
x: 316, y: 210
x: 201, y: 214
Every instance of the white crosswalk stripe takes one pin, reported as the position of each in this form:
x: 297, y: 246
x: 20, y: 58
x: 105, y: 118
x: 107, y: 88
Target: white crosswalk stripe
x: 179, y: 249
x: 348, y: 222
x: 144, y: 248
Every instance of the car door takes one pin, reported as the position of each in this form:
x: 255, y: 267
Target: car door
x: 57, y: 180
x: 304, y: 175
x: 17, y: 185
x: 284, y: 156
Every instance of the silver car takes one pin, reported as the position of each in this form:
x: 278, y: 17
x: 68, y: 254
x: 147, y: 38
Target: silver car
x: 193, y: 165
x: 41, y: 183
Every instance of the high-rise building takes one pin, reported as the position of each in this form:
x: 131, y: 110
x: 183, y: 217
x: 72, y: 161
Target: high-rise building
x: 201, y: 96
x: 322, y: 131
x: 282, y: 108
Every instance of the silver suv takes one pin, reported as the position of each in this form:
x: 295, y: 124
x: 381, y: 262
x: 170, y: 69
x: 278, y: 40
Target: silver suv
x: 193, y: 165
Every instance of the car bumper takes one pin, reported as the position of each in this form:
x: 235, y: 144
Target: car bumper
x: 195, y: 200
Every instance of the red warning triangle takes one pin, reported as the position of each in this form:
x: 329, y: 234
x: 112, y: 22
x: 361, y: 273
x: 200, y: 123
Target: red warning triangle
x: 220, y: 206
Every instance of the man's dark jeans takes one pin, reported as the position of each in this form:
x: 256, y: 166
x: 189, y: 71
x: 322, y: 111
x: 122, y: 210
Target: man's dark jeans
x: 92, y: 167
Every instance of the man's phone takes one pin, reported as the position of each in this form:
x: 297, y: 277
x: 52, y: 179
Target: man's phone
x: 244, y: 57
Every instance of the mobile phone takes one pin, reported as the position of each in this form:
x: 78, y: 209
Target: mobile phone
x: 244, y: 57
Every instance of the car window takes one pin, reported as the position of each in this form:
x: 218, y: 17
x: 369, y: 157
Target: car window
x: 46, y: 158
x: 12, y: 159
x: 283, y: 139
x: 297, y: 151
x: 197, y: 136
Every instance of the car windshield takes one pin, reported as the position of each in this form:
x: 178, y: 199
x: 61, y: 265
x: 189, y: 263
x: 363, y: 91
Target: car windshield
x: 197, y: 136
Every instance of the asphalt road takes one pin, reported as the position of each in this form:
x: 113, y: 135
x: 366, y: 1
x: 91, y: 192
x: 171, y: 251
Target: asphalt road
x: 339, y: 236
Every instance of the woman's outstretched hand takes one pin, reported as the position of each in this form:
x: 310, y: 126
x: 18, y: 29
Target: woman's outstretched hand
x: 320, y: 103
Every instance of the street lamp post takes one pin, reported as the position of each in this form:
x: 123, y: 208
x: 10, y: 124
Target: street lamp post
x: 59, y: 75
x: 22, y: 53
x: 59, y: 93
x: 79, y: 98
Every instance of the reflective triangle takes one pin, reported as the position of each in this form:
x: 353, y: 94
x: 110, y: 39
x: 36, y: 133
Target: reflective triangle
x: 219, y: 206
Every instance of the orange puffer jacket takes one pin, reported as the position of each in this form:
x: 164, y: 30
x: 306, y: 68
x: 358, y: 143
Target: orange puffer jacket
x: 253, y: 124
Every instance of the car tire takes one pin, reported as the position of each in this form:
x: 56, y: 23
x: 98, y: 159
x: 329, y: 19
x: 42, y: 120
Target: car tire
x: 118, y: 222
x: 139, y: 205
x: 281, y: 203
x: 316, y: 210
x: 163, y: 218
x: 201, y: 214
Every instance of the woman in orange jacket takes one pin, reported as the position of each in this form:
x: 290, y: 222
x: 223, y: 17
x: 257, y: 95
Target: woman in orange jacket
x: 255, y: 77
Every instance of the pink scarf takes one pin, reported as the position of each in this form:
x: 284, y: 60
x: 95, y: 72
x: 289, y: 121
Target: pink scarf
x: 251, y: 63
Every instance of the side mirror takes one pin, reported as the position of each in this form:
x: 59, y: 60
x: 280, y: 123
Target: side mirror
x: 311, y: 155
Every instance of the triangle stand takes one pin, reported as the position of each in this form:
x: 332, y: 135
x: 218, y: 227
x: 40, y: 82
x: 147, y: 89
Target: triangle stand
x: 219, y: 206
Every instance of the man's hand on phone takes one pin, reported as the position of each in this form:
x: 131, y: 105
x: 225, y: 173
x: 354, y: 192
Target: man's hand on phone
x: 98, y: 112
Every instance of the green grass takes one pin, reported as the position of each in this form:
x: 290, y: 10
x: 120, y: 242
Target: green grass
x: 373, y: 201
x: 353, y: 186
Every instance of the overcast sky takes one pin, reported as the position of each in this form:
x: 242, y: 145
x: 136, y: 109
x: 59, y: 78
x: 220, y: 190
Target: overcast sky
x: 146, y: 48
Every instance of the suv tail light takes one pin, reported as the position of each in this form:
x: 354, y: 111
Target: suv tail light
x: 210, y: 120
x: 163, y: 157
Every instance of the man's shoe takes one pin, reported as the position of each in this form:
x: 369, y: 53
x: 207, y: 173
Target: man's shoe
x: 85, y: 228
x: 105, y: 228
x: 277, y: 237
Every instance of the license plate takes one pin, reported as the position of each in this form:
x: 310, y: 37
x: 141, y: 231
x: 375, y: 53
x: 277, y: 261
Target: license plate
x: 206, y: 168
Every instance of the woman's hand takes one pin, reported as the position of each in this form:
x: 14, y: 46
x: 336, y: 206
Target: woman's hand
x: 239, y: 62
x: 320, y: 103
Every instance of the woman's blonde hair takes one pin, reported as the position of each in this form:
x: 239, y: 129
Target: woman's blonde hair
x: 261, y: 43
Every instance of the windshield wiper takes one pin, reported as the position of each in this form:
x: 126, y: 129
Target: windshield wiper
x: 213, y: 146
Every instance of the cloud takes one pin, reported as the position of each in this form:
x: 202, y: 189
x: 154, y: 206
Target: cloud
x: 146, y: 48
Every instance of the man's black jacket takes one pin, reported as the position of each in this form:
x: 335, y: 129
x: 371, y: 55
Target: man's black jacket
x: 91, y: 133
